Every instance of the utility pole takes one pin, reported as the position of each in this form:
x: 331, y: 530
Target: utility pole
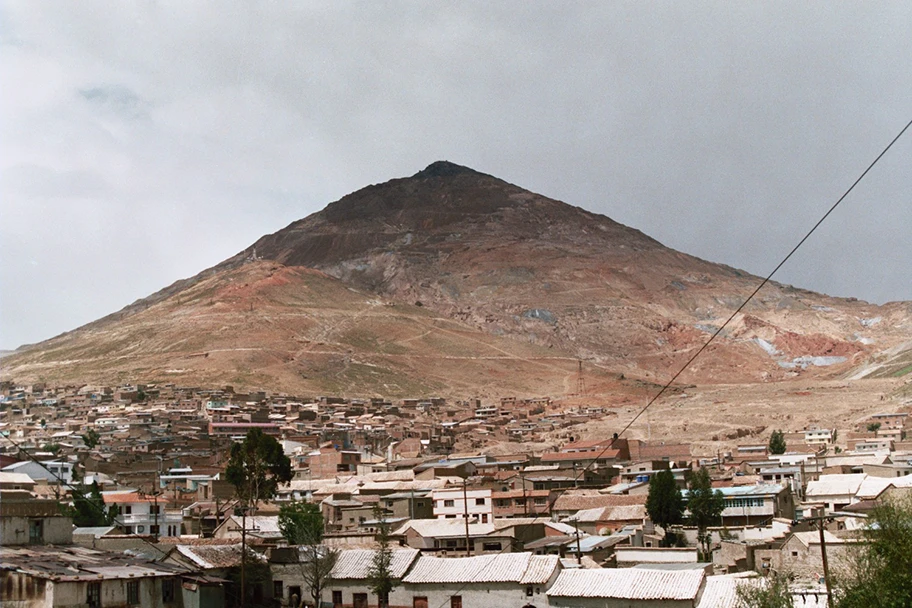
x: 465, y: 503
x: 522, y: 481
x: 826, y: 570
x: 243, y: 554
x: 579, y: 551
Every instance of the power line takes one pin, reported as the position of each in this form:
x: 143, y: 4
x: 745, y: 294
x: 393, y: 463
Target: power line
x: 727, y: 322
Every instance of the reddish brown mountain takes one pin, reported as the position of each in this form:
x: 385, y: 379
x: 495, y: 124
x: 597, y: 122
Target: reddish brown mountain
x: 450, y: 262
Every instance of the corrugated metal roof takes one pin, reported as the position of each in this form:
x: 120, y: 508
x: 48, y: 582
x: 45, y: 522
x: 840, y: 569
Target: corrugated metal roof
x: 540, y: 569
x: 445, y: 528
x: 628, y: 583
x: 722, y: 591
x: 497, y: 568
x: 829, y: 485
x: 356, y: 563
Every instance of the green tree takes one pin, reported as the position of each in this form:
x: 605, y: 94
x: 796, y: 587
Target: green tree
x: 301, y: 524
x: 91, y: 438
x: 772, y: 592
x: 380, y: 576
x: 777, y: 443
x: 51, y: 447
x: 665, y: 504
x: 256, y: 468
x: 89, y: 509
x: 877, y: 573
x: 873, y: 427
x: 705, y: 506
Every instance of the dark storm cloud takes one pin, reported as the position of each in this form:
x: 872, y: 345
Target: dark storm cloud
x: 143, y: 142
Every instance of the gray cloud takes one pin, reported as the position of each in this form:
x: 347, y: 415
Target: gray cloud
x: 144, y: 141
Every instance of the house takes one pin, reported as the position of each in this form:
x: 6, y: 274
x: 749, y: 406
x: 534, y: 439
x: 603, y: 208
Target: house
x: 756, y: 504
x: 347, y: 584
x: 264, y: 528
x: 626, y: 588
x: 505, y: 580
x: 801, y: 554
x: 834, y: 491
x: 45, y: 575
x: 54, y: 472
x: 446, y: 537
x: 608, y: 520
x: 26, y: 520
x: 141, y: 514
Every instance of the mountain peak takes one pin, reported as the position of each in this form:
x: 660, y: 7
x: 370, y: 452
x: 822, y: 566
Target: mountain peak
x: 444, y: 168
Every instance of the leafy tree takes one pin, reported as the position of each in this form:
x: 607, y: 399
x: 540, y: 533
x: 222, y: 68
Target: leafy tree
x: 380, y: 576
x: 772, y: 592
x: 664, y: 503
x: 877, y: 573
x: 777, y: 443
x: 51, y: 447
x: 89, y: 509
x: 256, y: 467
x: 91, y: 438
x: 301, y: 524
x: 873, y: 427
x: 705, y: 506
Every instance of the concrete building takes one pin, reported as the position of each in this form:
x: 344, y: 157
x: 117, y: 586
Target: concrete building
x: 141, y: 514
x: 451, y: 504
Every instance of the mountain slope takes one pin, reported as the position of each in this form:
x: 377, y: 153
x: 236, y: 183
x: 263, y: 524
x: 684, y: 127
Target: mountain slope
x: 456, y: 282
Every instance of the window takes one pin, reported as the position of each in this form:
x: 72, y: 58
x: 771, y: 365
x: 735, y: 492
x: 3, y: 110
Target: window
x: 36, y: 531
x: 337, y: 598
x: 167, y: 590
x: 479, y: 501
x: 528, y: 590
x: 491, y: 547
x: 154, y: 529
x: 484, y: 518
x: 794, y: 554
x: 456, y: 601
x: 359, y: 600
x: 277, y: 590
x: 93, y: 595
x: 132, y: 593
x: 541, y: 500
x: 448, y: 503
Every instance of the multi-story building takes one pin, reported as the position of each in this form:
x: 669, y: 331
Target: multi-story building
x: 140, y: 514
x: 458, y: 503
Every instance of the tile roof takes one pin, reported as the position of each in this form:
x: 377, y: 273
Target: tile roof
x: 577, y: 502
x: 628, y: 583
x: 356, y: 563
x: 212, y: 556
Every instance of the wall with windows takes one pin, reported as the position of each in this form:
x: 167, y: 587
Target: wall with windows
x: 450, y: 504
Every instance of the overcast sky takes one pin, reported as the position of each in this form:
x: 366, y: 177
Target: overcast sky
x: 143, y: 142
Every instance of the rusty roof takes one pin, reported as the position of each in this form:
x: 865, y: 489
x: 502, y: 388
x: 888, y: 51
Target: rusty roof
x: 73, y: 563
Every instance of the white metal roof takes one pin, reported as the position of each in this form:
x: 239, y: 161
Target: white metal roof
x: 629, y: 583
x: 356, y: 563
x: 495, y: 568
x: 835, y: 485
x: 722, y: 591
